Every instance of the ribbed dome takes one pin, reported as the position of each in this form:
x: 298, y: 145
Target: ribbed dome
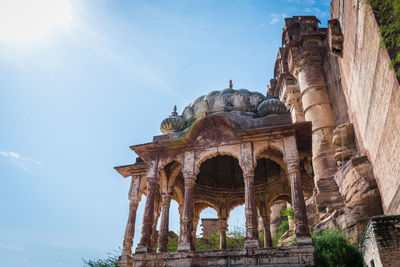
x: 173, y: 123
x: 271, y: 106
x: 241, y: 101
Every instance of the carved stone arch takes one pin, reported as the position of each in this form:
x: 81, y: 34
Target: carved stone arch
x: 212, y: 153
x: 273, y: 153
x: 178, y: 195
x: 207, y: 204
x: 167, y: 180
x: 232, y: 207
x: 281, y: 196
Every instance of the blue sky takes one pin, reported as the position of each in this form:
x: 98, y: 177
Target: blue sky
x: 95, y: 77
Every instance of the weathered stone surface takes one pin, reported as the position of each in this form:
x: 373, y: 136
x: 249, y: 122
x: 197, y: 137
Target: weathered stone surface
x: 372, y: 95
x: 380, y: 242
x: 343, y: 139
x: 361, y: 199
x: 284, y: 256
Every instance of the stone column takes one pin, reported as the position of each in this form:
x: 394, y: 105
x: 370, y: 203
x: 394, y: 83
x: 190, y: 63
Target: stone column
x: 185, y: 240
x: 144, y: 245
x: 291, y: 158
x: 251, y: 213
x: 154, y: 234
x: 223, y: 226
x: 267, y: 231
x: 164, y: 227
x: 194, y: 230
x: 246, y: 163
x: 126, y: 257
x: 134, y: 196
x: 317, y: 109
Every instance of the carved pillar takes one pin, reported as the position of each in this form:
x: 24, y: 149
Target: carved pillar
x: 251, y: 212
x: 134, y: 197
x: 185, y: 239
x: 291, y: 97
x: 194, y: 230
x: 144, y: 245
x: 223, y: 226
x: 291, y: 158
x: 265, y: 212
x: 164, y: 227
x: 126, y: 257
x: 249, y: 197
x: 317, y: 109
x: 154, y: 234
x: 267, y: 231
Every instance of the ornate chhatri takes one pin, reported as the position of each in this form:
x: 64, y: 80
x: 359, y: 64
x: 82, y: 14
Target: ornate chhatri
x: 228, y: 148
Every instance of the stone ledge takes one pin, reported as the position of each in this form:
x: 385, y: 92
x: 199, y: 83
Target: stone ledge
x: 282, y: 256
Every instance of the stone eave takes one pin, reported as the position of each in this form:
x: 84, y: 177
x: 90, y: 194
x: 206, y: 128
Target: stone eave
x: 131, y: 169
x: 284, y: 128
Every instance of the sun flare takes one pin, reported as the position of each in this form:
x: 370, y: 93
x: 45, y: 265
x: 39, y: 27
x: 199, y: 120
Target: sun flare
x: 24, y: 21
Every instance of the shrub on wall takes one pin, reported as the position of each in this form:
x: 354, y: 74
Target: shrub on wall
x: 387, y: 14
x: 333, y: 250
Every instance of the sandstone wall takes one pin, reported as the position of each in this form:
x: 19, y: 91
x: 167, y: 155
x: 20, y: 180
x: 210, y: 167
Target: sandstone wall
x: 372, y: 94
x: 380, y: 243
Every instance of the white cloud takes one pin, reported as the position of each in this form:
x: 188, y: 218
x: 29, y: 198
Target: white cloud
x: 24, y: 163
x: 277, y: 18
x: 63, y: 245
x: 316, y: 11
x: 11, y: 247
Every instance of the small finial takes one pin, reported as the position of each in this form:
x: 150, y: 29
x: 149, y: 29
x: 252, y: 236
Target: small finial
x: 230, y: 84
x: 174, y: 113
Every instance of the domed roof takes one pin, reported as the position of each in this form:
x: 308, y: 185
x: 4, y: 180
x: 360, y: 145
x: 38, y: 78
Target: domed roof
x: 241, y: 101
x: 271, y: 106
x: 173, y: 123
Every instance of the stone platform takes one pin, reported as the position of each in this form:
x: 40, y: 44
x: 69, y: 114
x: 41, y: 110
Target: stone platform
x: 282, y: 256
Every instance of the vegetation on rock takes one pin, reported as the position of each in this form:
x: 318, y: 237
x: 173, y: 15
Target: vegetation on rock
x: 332, y: 250
x: 387, y: 14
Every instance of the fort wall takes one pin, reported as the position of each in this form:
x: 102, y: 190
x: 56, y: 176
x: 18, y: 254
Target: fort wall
x: 372, y: 96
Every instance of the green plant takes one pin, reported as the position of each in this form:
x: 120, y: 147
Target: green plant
x: 288, y: 212
x: 172, y: 245
x: 387, y: 14
x: 235, y: 238
x: 332, y: 250
x: 261, y: 239
x: 281, y: 230
x: 110, y: 261
x: 208, y: 242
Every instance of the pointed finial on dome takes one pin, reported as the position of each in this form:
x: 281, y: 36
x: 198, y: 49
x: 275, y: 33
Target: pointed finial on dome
x: 230, y: 84
x: 174, y: 113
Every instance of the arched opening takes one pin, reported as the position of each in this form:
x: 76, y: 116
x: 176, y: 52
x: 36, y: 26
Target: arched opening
x: 236, y: 233
x: 174, y: 226
x: 221, y: 172
x: 220, y: 184
x: 281, y: 222
x: 266, y: 170
x: 207, y: 232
